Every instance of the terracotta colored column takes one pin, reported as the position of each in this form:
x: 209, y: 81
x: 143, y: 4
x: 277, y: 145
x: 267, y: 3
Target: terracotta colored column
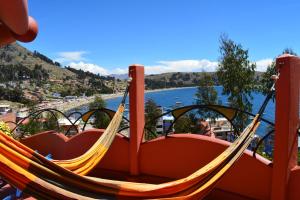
x: 136, y: 115
x: 286, y: 124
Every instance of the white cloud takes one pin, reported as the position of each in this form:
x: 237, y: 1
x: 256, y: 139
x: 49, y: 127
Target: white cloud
x: 76, y: 59
x: 189, y: 66
x: 96, y: 69
x: 262, y: 65
x: 182, y: 66
x: 119, y: 71
x: 70, y: 56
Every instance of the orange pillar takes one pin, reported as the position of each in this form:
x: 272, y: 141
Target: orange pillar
x: 286, y: 124
x: 136, y: 115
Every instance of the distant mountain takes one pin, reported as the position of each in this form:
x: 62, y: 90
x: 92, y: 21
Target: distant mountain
x: 180, y: 79
x: 175, y: 79
x: 120, y: 76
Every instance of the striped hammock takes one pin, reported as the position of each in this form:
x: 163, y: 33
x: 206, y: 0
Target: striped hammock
x: 44, y: 179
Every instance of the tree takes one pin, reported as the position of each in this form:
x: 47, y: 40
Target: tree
x: 266, y: 82
x: 183, y: 124
x: 187, y: 123
x: 236, y: 73
x: 206, y: 95
x: 101, y: 118
x: 51, y: 122
x: 34, y: 123
x: 151, y: 112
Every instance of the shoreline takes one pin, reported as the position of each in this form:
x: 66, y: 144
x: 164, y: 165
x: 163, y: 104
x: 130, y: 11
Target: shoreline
x: 114, y: 96
x: 66, y: 106
x: 167, y: 89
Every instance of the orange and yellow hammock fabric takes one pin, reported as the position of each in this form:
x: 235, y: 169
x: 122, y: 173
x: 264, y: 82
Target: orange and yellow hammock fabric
x: 44, y: 179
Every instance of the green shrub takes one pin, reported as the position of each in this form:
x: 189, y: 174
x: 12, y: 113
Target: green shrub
x: 5, y: 128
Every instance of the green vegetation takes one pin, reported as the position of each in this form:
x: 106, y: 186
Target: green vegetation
x: 266, y: 82
x: 44, y: 121
x: 82, y: 74
x: 15, y: 95
x: 101, y: 119
x: 95, y: 82
x: 206, y: 94
x: 188, y: 123
x: 151, y: 112
x: 236, y: 75
x: 45, y: 58
x: 32, y: 127
x: 5, y: 128
x: 176, y: 79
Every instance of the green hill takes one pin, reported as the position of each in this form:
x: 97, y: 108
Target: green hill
x: 175, y: 79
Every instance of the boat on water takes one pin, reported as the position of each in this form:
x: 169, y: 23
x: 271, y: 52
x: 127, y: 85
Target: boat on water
x: 178, y: 166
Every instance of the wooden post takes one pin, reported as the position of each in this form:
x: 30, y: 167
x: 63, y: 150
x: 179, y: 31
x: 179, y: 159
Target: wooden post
x: 137, y: 121
x: 286, y: 124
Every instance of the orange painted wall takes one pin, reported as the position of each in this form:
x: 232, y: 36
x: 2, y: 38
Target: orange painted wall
x: 180, y: 155
x: 62, y: 147
x: 48, y: 142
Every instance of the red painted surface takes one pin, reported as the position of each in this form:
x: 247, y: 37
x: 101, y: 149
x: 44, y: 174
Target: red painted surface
x: 15, y: 22
x: 180, y: 155
x: 48, y: 142
x: 14, y: 14
x: 30, y: 34
x: 62, y: 147
x: 5, y: 35
x: 286, y: 124
x: 137, y: 121
x: 294, y: 184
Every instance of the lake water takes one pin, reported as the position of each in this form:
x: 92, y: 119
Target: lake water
x: 168, y: 98
x: 186, y: 96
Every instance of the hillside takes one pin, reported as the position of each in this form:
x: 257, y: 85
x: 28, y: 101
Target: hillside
x: 180, y: 79
x: 31, y: 76
x: 15, y: 54
x: 175, y: 79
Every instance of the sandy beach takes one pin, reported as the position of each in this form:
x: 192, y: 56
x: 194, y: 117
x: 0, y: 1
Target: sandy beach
x: 166, y: 89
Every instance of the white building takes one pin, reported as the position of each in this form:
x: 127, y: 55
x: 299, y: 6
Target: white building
x: 4, y: 108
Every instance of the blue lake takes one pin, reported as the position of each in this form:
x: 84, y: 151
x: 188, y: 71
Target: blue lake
x: 168, y: 98
x: 186, y: 96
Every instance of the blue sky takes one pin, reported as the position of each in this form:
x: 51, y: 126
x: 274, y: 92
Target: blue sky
x: 105, y: 36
